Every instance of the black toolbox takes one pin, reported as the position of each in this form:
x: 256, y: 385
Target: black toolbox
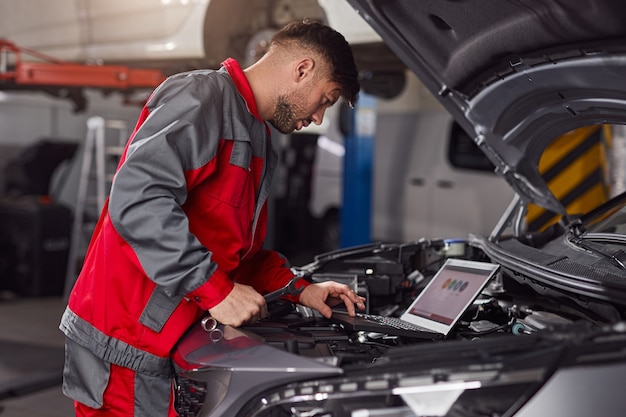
x: 34, y: 246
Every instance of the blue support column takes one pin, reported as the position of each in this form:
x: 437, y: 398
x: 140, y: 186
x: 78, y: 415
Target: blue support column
x: 357, y: 174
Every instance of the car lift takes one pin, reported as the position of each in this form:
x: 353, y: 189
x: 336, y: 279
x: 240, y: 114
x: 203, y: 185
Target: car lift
x: 65, y: 79
x: 356, y: 210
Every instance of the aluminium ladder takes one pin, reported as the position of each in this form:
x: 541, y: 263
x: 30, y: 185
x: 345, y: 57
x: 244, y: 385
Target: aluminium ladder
x: 103, y: 145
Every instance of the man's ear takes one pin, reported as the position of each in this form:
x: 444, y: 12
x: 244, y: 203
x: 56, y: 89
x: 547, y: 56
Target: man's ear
x: 303, y: 69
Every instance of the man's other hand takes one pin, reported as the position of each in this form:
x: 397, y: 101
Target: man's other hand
x: 322, y: 295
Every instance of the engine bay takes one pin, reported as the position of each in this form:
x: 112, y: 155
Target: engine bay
x: 296, y: 362
x: 390, y: 277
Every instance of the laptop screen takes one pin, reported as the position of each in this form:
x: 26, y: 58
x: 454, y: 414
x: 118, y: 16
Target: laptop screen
x: 447, y: 296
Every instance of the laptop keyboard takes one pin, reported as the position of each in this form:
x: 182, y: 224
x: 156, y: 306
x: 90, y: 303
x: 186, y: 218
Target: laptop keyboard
x: 392, y: 322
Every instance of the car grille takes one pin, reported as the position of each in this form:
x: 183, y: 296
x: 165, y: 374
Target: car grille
x: 190, y: 395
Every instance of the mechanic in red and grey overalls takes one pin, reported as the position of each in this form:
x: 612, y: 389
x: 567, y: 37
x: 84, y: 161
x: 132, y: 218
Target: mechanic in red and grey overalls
x: 183, y: 228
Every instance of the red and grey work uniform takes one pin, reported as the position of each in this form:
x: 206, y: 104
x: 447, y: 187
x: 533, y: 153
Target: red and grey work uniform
x: 186, y: 218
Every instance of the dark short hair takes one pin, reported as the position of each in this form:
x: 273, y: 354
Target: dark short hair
x: 331, y: 45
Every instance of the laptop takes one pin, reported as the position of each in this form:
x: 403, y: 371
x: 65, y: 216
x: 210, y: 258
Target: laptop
x: 437, y: 309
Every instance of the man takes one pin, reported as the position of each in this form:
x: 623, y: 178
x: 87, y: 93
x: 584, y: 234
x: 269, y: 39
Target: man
x: 182, y: 231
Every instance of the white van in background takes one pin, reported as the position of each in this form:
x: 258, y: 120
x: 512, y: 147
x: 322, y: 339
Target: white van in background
x: 429, y: 180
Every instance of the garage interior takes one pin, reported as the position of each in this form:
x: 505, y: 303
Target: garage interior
x: 63, y: 122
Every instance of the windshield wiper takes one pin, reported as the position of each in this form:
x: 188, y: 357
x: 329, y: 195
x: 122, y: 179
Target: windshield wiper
x: 604, y: 237
x: 578, y: 234
x: 617, y: 258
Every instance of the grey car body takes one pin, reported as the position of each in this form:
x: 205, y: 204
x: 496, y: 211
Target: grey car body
x: 548, y: 336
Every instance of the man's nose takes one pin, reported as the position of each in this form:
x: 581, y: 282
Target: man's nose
x: 318, y: 117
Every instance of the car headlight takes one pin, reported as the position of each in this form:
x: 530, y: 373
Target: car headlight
x: 478, y: 392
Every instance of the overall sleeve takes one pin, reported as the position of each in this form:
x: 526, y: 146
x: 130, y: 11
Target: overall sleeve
x: 267, y: 271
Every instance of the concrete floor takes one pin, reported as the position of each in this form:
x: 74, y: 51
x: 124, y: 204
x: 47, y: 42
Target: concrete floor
x: 34, y: 321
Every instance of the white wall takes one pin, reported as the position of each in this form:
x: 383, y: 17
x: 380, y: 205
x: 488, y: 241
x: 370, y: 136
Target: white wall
x: 27, y: 117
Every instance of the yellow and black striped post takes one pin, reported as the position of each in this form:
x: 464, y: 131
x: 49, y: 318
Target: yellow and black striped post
x: 575, y: 167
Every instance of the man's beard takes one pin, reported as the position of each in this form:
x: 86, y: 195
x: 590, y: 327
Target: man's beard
x: 284, y: 118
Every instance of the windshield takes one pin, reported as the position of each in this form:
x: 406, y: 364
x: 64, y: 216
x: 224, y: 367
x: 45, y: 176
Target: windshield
x: 608, y: 218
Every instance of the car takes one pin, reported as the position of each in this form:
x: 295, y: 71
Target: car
x: 547, y: 335
x: 171, y: 35
x: 165, y: 35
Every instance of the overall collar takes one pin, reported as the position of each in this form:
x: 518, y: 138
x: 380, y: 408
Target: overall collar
x: 242, y: 84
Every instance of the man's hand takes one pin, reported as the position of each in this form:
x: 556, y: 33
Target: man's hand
x: 330, y: 293
x: 243, y: 305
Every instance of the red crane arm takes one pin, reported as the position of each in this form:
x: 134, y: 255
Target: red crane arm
x: 49, y: 71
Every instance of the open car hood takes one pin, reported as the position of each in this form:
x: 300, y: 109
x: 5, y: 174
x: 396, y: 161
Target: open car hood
x: 515, y: 74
